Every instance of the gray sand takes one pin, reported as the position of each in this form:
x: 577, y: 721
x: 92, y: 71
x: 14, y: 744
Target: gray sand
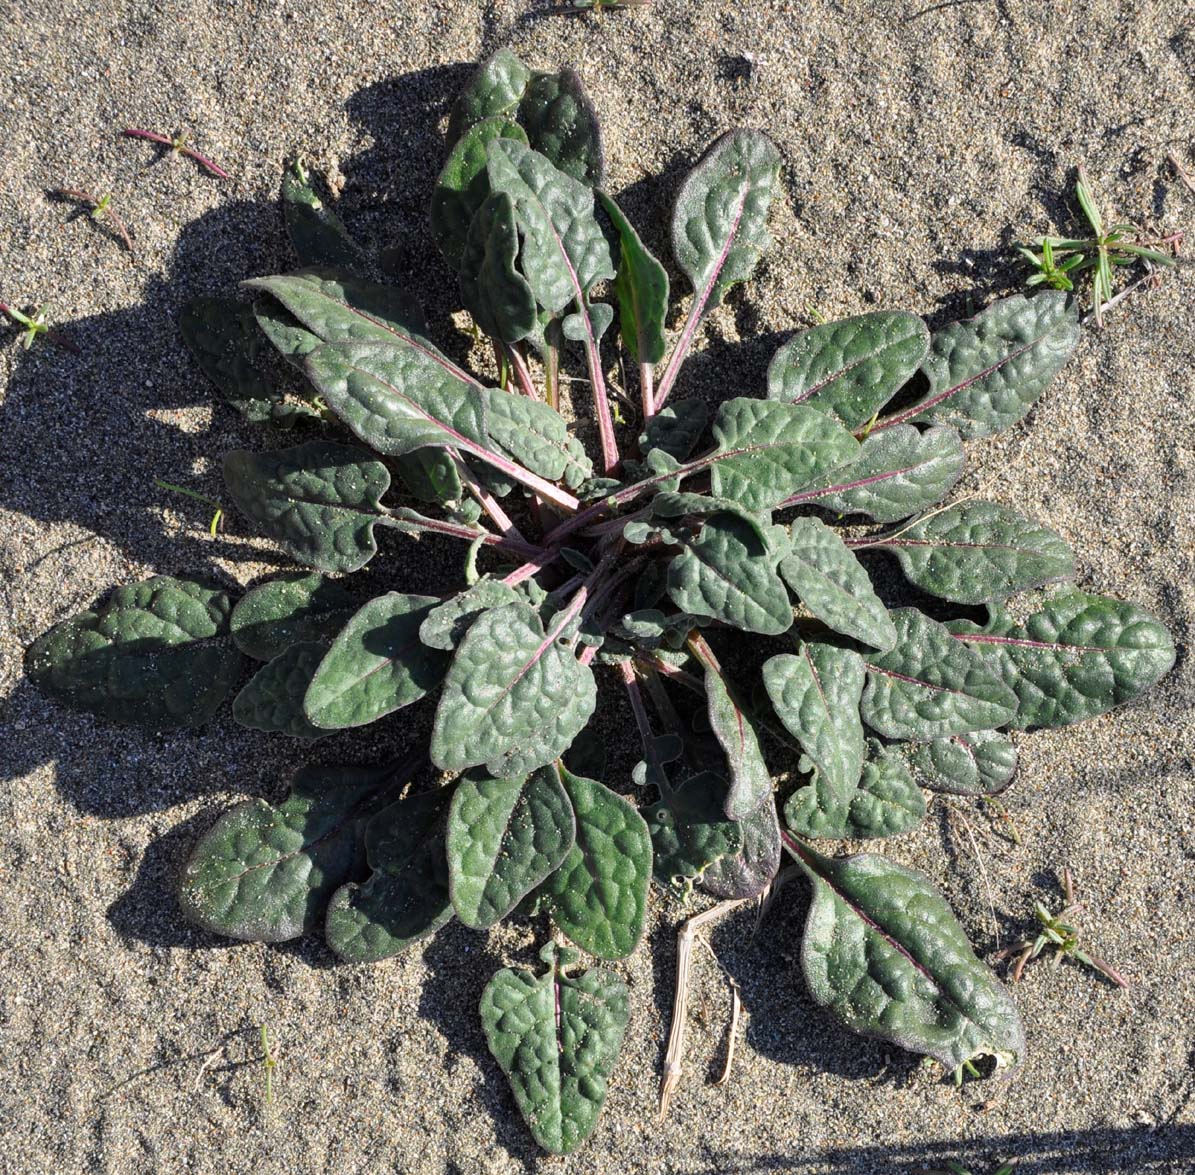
x: 918, y: 140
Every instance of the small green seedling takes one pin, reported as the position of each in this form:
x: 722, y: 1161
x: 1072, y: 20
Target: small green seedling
x: 955, y: 1168
x: 99, y: 209
x: 698, y: 556
x: 269, y: 1062
x: 178, y: 144
x: 1059, y: 260
x: 1059, y: 932
x: 217, y: 517
x: 34, y: 324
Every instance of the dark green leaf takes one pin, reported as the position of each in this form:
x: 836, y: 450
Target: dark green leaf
x: 884, y: 953
x: 272, y: 700
x: 750, y: 782
x: 406, y: 898
x: 1077, y: 657
x: 514, y: 698
x: 431, y: 475
x: 263, y: 872
x: 535, y: 435
x: 340, y: 308
x: 564, y: 249
x: 770, y: 450
x: 728, y: 575
x: 497, y: 87
x: 641, y: 285
x: 977, y: 552
x: 851, y: 368
x: 886, y: 802
x: 690, y: 832
x: 291, y: 339
x: 463, y: 186
x: 675, y: 429
x: 562, y: 125
x: 504, y: 837
x: 319, y: 501
x: 816, y: 695
x: 376, y: 665
x: 923, y: 689
x: 316, y: 232
x: 556, y: 1038
x: 898, y: 472
x: 447, y: 623
x: 285, y: 611
x: 719, y: 225
x: 598, y: 897
x: 986, y: 372
x: 980, y: 763
x: 493, y: 290
x: 222, y: 334
x: 156, y: 653
x: 833, y: 586
x: 749, y: 871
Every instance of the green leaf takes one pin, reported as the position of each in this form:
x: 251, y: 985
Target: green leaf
x: 316, y: 233
x: 986, y: 372
x: 816, y: 695
x: 564, y: 249
x: 493, y: 290
x: 272, y: 700
x: 689, y: 831
x: 398, y: 398
x: 264, y: 872
x: 535, y: 435
x: 504, y: 837
x: 156, y: 653
x: 675, y: 429
x: 727, y: 574
x: 883, y: 952
x: 405, y: 899
x: 291, y: 339
x: 319, y: 501
x: 641, y: 285
x: 750, y: 781
x: 749, y: 871
x: 514, y: 698
x: 562, y: 125
x: 222, y: 335
x: 832, y: 584
x: 769, y: 450
x: 977, y: 552
x: 898, y: 472
x: 556, y: 1039
x: 923, y: 689
x: 376, y: 665
x: 886, y: 802
x: 340, y: 308
x: 269, y: 619
x: 447, y: 623
x: 598, y: 897
x: 1077, y: 657
x: 850, y: 368
x: 463, y: 186
x: 497, y: 87
x: 719, y: 225
x: 979, y: 763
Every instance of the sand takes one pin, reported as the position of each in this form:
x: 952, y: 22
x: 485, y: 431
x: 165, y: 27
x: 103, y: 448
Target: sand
x: 919, y: 140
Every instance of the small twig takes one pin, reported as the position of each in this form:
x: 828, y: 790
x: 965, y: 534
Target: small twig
x: 736, y: 1009
x: 983, y: 872
x: 209, y: 1059
x: 1180, y: 170
x: 680, y: 1007
x: 269, y: 1061
x: 1097, y: 315
x: 178, y: 144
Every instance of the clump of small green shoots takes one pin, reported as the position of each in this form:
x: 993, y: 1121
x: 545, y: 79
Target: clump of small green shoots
x: 1058, y: 931
x: 955, y: 1168
x: 99, y: 209
x: 1059, y: 260
x: 34, y: 324
x: 217, y: 517
x: 177, y: 143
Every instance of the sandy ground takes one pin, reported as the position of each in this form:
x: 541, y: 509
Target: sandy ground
x: 918, y: 139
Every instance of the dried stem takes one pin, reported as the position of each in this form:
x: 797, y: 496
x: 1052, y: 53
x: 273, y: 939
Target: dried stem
x: 177, y: 143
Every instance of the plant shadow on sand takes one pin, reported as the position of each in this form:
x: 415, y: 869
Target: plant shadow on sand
x: 107, y: 410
